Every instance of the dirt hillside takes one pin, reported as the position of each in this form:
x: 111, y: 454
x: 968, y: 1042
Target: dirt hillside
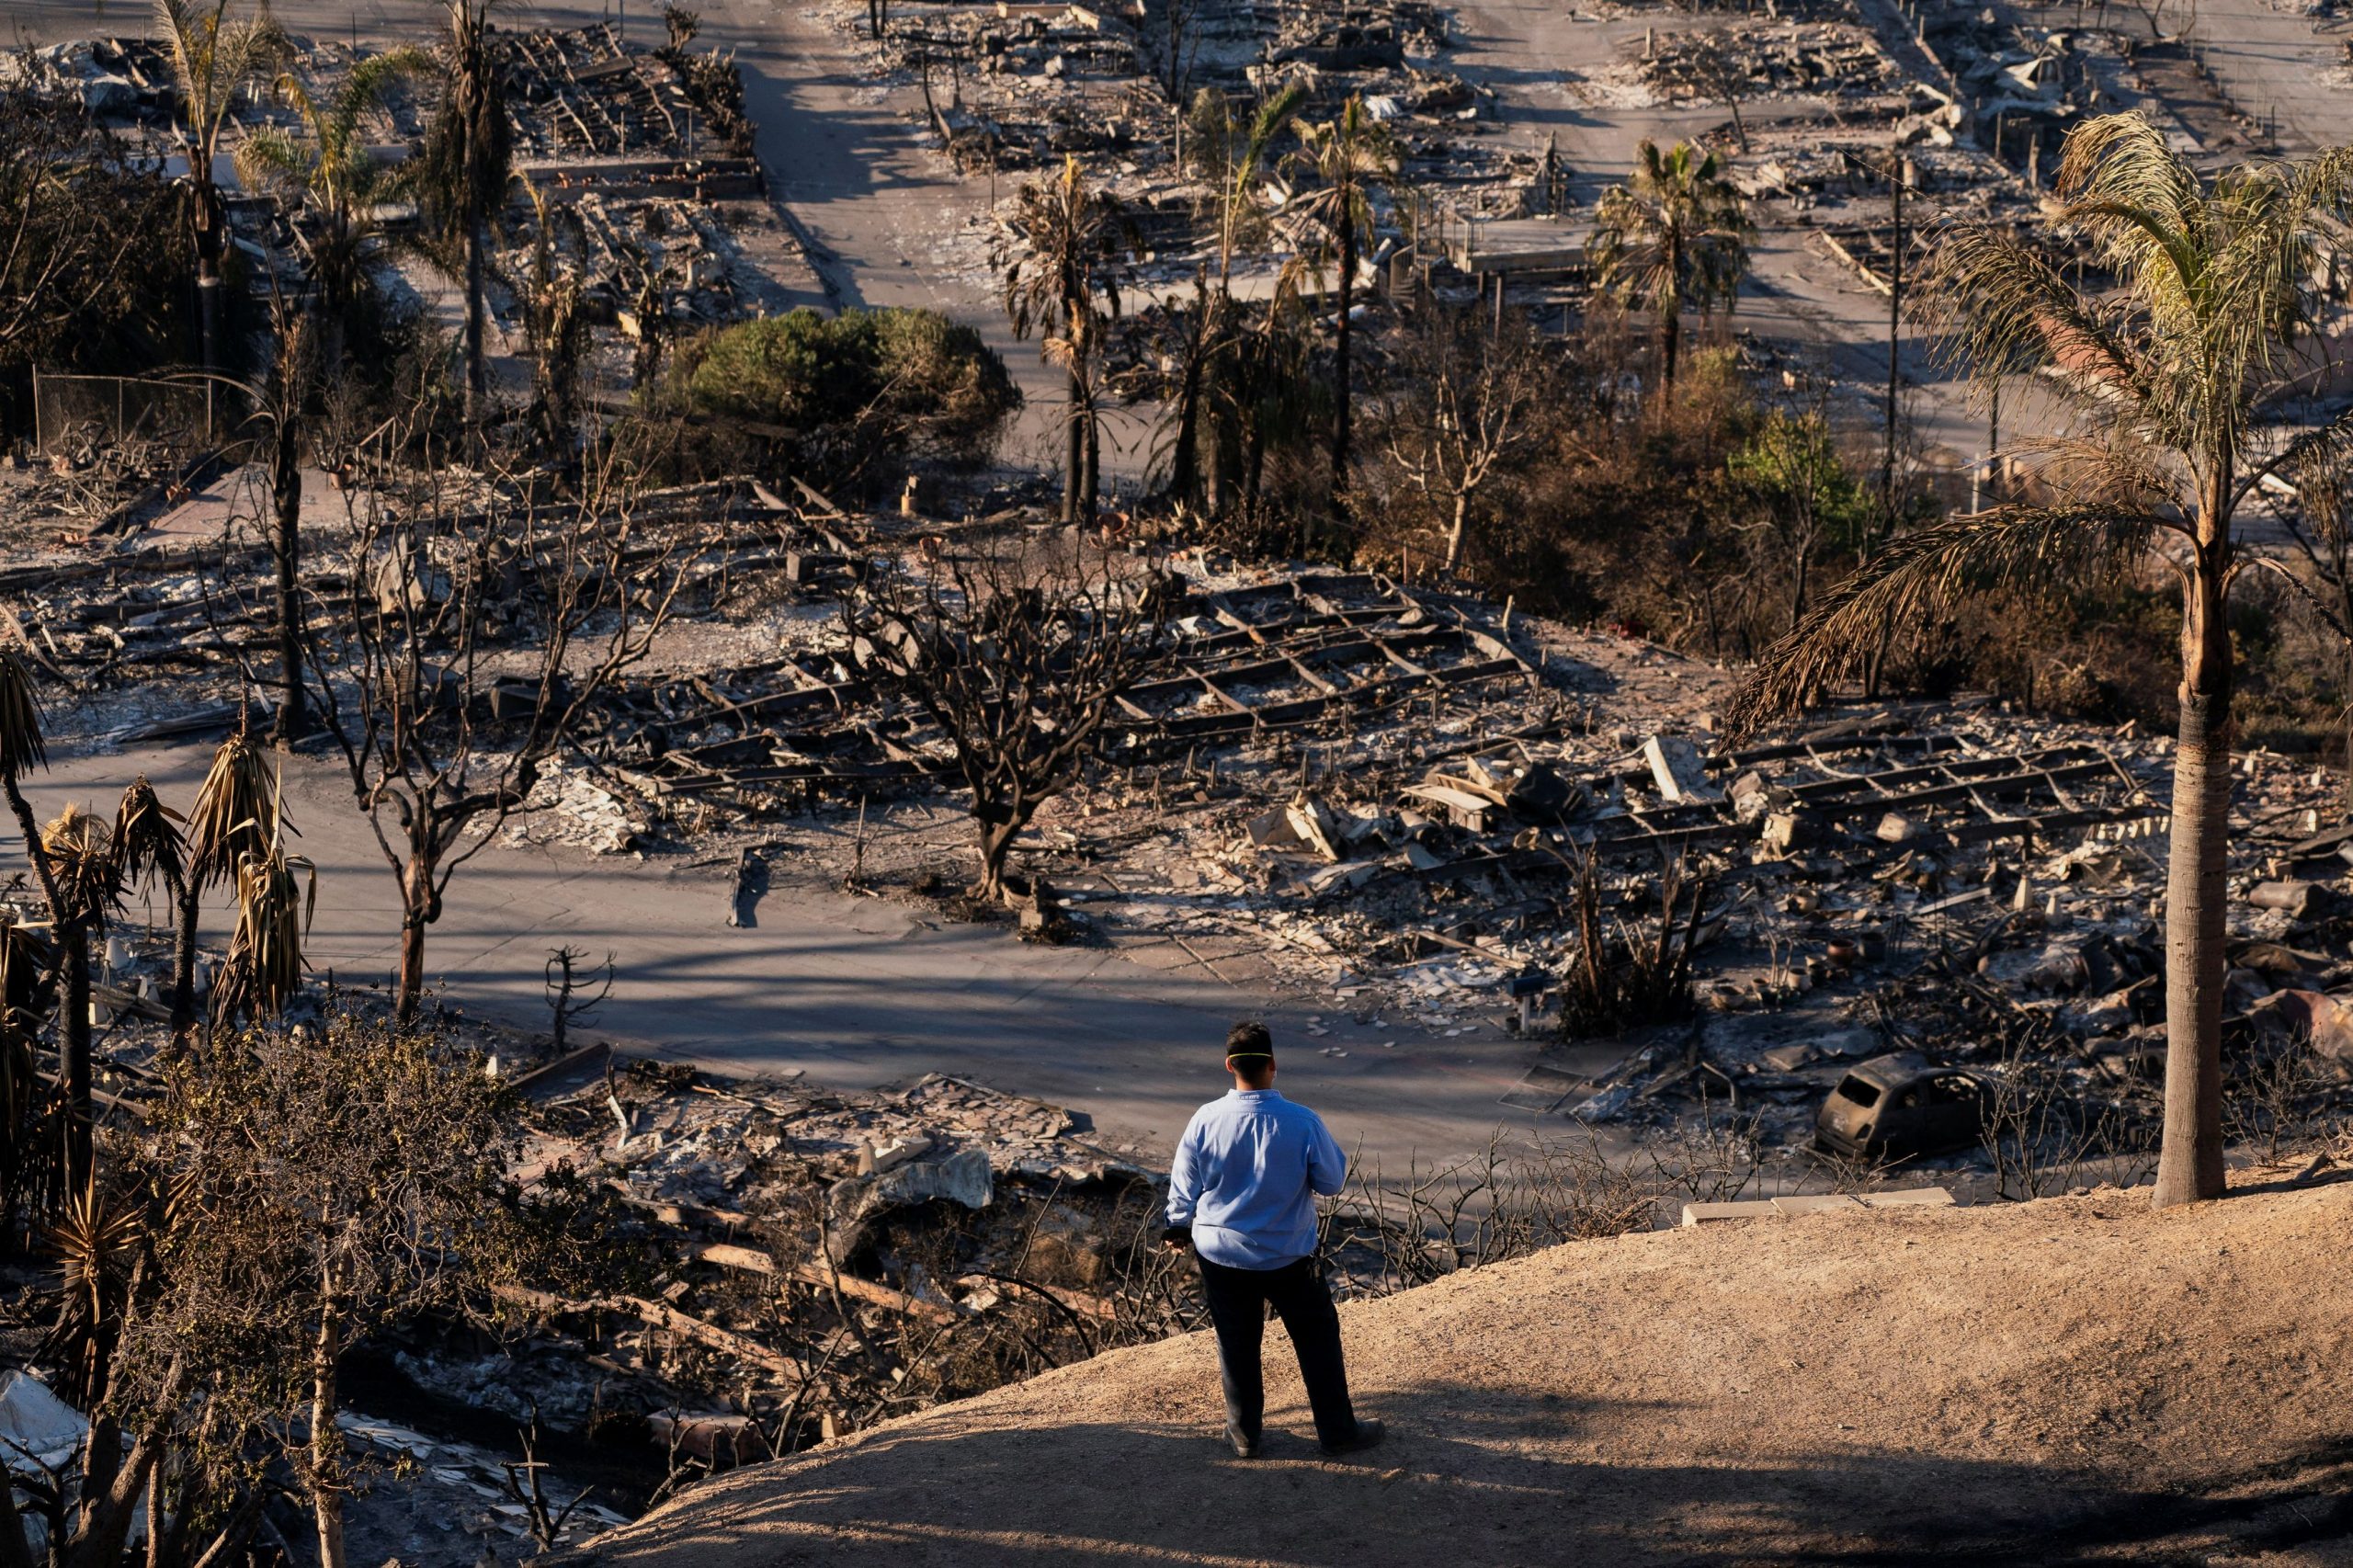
x: 2073, y: 1380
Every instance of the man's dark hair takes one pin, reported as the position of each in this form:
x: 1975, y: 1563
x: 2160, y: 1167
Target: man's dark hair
x: 1250, y: 1050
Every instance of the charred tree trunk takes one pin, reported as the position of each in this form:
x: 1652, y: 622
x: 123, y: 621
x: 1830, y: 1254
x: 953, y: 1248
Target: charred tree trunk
x: 1182, y: 481
x: 22, y: 810
x: 74, y: 1033
x: 184, y: 962
x: 1254, y: 470
x: 1670, y: 334
x: 416, y: 912
x: 1804, y: 572
x: 999, y: 824
x: 1091, y: 488
x: 1341, y: 380
x: 477, y: 309
x: 1073, y: 452
x: 411, y: 989
x: 1213, y: 484
x: 2190, y: 1165
x: 1454, y: 534
x: 326, y: 1440
x: 208, y: 312
x: 286, y: 493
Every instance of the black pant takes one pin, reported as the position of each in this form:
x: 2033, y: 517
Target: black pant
x: 1238, y: 1300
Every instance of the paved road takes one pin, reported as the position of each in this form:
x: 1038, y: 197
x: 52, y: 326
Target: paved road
x: 858, y: 991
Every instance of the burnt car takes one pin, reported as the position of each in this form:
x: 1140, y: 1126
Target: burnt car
x: 1897, y: 1106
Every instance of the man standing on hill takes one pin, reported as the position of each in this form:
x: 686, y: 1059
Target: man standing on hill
x: 1241, y: 1190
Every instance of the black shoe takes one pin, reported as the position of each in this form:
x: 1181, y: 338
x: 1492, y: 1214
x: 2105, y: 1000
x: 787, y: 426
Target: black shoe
x: 1244, y: 1448
x: 1368, y: 1435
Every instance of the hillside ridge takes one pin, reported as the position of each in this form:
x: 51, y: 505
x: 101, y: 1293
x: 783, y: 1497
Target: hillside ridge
x: 2077, y: 1378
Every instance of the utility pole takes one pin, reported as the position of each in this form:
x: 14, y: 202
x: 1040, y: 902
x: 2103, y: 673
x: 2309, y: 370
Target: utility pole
x: 1981, y: 476
x: 1896, y: 173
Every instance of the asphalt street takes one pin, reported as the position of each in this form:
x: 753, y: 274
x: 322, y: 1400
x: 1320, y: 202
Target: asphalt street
x: 857, y: 990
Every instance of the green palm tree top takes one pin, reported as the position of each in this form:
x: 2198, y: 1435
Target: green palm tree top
x: 1344, y: 157
x: 214, y: 55
x: 329, y: 165
x: 2181, y: 362
x: 1675, y: 235
x: 2171, y: 375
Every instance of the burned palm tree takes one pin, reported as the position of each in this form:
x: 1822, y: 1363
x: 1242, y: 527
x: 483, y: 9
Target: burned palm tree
x: 26, y: 1148
x: 1674, y: 237
x: 329, y: 170
x: 282, y: 419
x: 2170, y: 377
x: 263, y: 967
x: 216, y: 56
x: 147, y: 840
x: 237, y: 816
x: 1268, y: 398
x: 22, y: 749
x: 278, y: 432
x: 1347, y: 157
x: 1062, y: 285
x: 81, y: 853
x: 463, y: 176
x: 1239, y: 159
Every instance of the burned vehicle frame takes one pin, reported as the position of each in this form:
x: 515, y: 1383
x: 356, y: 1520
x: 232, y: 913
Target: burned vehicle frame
x: 1898, y: 1107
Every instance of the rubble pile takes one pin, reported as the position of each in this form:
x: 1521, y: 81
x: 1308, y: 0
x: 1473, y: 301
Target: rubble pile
x: 791, y: 1262
x: 187, y: 601
x: 1833, y: 58
x: 2002, y: 912
x: 583, y: 93
x: 1250, y: 663
x: 643, y: 186
x: 115, y: 78
x: 1018, y: 87
x: 634, y: 165
x: 2026, y: 82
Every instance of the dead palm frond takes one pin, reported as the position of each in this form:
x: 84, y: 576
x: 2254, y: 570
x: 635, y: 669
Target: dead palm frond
x: 96, y: 1239
x: 1063, y: 286
x: 147, y: 839
x: 1920, y: 573
x: 236, y: 812
x: 80, y: 849
x: 22, y: 749
x: 263, y: 969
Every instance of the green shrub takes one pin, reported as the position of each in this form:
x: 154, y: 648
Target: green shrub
x: 907, y: 380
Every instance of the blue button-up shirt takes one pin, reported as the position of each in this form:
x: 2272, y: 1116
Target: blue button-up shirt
x: 1245, y: 1176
